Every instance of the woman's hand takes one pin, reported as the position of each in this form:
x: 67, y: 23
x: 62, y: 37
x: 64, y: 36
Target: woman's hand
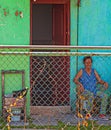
x: 105, y: 85
x: 81, y: 88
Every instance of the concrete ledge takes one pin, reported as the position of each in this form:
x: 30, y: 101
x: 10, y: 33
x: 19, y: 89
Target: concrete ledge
x: 49, y: 110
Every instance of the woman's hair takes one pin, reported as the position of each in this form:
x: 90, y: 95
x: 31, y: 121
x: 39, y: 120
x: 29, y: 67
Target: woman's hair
x: 87, y: 57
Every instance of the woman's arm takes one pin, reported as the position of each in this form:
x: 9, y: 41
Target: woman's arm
x: 76, y: 80
x: 100, y: 81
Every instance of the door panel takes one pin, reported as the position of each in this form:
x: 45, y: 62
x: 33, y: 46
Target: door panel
x: 59, y: 37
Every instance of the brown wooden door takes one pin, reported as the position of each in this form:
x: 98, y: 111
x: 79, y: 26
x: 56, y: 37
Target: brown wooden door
x: 59, y: 37
x: 60, y: 24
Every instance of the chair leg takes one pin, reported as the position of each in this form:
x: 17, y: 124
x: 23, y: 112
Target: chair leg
x: 79, y: 106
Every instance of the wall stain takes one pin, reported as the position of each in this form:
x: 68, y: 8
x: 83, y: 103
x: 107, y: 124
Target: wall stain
x: 6, y: 11
x: 16, y: 13
x: 79, y: 3
x: 19, y: 13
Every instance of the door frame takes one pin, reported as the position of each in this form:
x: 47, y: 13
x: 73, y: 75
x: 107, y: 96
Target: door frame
x: 65, y: 2
x: 49, y: 1
x: 65, y: 109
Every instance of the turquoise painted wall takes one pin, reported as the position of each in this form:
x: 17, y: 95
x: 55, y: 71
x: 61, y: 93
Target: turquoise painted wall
x: 94, y: 29
x: 15, y: 30
x: 73, y: 41
x: 94, y: 22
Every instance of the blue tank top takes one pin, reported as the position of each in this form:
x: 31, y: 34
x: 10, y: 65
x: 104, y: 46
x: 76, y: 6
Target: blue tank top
x: 89, y: 81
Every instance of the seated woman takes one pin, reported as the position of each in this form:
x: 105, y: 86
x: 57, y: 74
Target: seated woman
x: 86, y: 80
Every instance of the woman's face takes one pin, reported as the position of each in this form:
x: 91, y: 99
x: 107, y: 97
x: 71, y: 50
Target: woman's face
x: 88, y: 63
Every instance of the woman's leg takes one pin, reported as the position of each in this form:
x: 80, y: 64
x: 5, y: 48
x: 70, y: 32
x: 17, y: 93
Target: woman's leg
x: 104, y: 98
x: 88, y: 102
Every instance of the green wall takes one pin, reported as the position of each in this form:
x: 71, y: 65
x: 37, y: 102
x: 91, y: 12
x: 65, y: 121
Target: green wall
x: 15, y: 30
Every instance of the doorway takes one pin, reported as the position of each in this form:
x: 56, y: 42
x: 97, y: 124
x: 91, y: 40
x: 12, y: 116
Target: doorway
x: 50, y: 75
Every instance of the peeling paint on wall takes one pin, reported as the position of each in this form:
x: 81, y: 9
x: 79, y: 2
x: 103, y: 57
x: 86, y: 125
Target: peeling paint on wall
x: 6, y: 11
x: 16, y: 13
x: 19, y: 13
